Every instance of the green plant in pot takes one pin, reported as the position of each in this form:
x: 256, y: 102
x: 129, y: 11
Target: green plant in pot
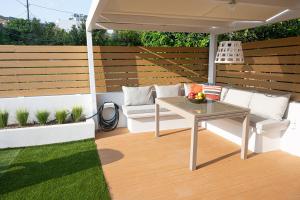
x: 22, y: 117
x: 3, y: 118
x: 42, y: 116
x: 77, y: 113
x: 61, y: 116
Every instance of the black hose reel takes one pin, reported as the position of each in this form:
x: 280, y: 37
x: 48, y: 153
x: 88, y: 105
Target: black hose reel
x: 111, y: 123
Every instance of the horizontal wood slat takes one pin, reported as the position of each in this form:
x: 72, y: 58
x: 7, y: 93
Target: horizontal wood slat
x: 280, y: 51
x: 149, y: 68
x: 44, y: 85
x: 26, y: 70
x: 135, y: 56
x: 293, y: 87
x: 261, y: 68
x: 261, y: 76
x: 44, y: 63
x: 269, y: 65
x: 149, y: 62
x: 43, y: 92
x: 42, y: 49
x: 43, y: 71
x: 284, y: 42
x: 151, y: 74
x: 273, y: 60
x: 41, y: 78
x: 83, y: 56
x: 102, y: 49
x: 81, y: 63
x: 118, y: 49
x: 148, y: 81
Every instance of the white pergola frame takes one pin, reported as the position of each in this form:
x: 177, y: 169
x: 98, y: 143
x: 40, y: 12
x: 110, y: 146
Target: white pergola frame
x: 102, y: 18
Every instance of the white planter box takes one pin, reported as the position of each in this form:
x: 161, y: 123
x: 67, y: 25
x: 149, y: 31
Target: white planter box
x: 40, y: 135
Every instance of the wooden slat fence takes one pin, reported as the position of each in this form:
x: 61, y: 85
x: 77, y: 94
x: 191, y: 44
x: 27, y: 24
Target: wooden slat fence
x: 43, y: 70
x: 55, y: 70
x: 269, y: 65
x: 138, y: 66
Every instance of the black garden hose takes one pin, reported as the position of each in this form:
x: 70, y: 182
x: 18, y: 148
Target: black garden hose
x: 107, y: 124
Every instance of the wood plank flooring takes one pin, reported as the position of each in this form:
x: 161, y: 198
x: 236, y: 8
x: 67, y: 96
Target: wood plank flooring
x: 142, y: 167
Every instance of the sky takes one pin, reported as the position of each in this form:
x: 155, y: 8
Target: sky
x: 14, y: 8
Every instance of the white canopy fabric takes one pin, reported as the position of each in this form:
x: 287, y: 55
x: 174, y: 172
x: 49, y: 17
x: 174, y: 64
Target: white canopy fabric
x: 201, y: 16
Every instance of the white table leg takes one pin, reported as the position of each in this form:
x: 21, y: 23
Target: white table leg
x: 194, y: 141
x: 245, y: 137
x: 157, y: 120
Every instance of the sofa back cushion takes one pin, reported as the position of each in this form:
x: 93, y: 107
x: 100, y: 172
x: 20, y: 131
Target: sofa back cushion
x: 272, y: 106
x: 212, y: 91
x: 167, y: 90
x: 238, y: 97
x: 224, y: 92
x: 134, y: 96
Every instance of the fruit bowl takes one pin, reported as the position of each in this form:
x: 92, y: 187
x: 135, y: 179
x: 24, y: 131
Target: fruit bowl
x: 198, y: 101
x: 196, y: 97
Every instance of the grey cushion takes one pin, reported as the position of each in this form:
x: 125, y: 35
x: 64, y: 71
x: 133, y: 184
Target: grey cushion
x: 138, y: 95
x: 238, y: 97
x: 272, y: 106
x: 167, y: 90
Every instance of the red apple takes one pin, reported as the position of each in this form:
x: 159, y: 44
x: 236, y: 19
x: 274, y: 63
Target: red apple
x: 192, y: 95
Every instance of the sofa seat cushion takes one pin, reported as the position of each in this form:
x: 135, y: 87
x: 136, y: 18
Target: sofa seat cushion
x: 271, y: 106
x: 143, y: 111
x: 238, y: 97
x: 262, y: 124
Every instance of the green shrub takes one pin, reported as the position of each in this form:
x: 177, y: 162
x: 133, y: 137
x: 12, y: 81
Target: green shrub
x: 76, y: 113
x: 3, y: 119
x: 42, y: 116
x: 22, y: 116
x: 61, y: 116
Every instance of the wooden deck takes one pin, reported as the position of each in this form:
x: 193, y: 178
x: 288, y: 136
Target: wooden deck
x: 142, y: 167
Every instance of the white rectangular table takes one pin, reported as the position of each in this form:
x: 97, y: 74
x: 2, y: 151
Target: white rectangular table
x: 196, y: 113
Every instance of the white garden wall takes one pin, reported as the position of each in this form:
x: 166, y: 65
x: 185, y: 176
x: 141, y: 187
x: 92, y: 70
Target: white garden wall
x: 290, y: 141
x: 50, y: 103
x: 41, y: 135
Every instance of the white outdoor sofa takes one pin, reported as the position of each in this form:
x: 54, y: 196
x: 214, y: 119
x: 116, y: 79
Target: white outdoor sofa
x: 265, y: 132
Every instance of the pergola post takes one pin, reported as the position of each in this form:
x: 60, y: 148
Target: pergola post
x: 89, y: 39
x: 211, y: 61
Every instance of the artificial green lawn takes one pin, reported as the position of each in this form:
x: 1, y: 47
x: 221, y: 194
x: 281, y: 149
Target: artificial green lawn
x: 59, y: 171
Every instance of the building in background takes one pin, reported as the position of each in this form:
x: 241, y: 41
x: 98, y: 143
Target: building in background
x: 76, y: 20
x: 4, y: 20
